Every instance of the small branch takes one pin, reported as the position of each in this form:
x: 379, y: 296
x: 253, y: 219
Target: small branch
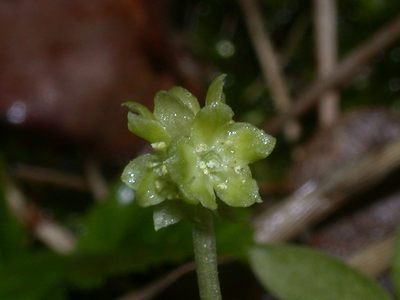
x: 294, y: 37
x: 95, y: 180
x: 313, y: 201
x: 326, y: 51
x: 346, y: 69
x: 54, y: 235
x: 156, y: 287
x: 49, y: 176
x: 375, y: 259
x: 269, y: 63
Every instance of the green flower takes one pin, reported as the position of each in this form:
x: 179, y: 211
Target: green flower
x: 199, y: 154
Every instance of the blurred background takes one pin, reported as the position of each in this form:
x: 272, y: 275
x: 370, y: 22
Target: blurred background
x: 321, y: 76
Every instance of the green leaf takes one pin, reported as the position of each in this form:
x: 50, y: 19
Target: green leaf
x: 172, y: 113
x: 396, y: 264
x: 244, y: 142
x: 234, y: 233
x: 215, y: 93
x: 118, y: 236
x: 167, y: 214
x: 186, y: 98
x: 33, y: 277
x: 299, y: 273
x: 106, y: 225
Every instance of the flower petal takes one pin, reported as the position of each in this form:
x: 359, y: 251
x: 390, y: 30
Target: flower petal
x: 142, y: 123
x: 166, y: 214
x: 149, y: 129
x: 186, y: 98
x: 186, y: 171
x: 172, y: 114
x: 215, y: 93
x: 245, y: 142
x: 140, y: 177
x: 237, y: 187
x: 139, y: 109
x: 208, y: 121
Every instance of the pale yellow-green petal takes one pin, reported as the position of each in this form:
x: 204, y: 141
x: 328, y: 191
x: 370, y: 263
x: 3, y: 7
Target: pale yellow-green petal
x: 140, y: 176
x: 186, y: 98
x: 215, y: 93
x: 149, y: 129
x: 244, y: 142
x: 138, y: 109
x: 208, y: 122
x: 187, y: 171
x: 237, y: 187
x: 172, y: 114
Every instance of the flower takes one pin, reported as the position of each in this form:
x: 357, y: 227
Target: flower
x: 199, y: 153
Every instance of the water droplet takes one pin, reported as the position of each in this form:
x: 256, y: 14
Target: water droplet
x: 222, y: 186
x: 159, y: 146
x: 159, y: 185
x: 238, y: 169
x: 164, y: 170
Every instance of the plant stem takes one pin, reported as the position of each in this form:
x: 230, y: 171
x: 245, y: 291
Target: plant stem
x: 205, y: 254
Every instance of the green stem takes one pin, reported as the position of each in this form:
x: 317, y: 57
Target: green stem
x: 205, y: 254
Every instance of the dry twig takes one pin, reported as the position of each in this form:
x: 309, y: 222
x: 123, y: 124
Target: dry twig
x: 269, y: 63
x: 375, y: 259
x: 326, y: 52
x: 345, y: 70
x: 156, y: 287
x: 95, y: 180
x: 49, y: 176
x: 314, y: 201
x: 294, y: 37
x: 54, y: 235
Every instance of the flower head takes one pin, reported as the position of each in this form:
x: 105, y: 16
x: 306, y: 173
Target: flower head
x: 199, y: 153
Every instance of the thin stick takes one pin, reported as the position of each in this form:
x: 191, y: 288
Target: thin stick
x: 326, y: 51
x: 312, y: 202
x: 49, y: 176
x: 294, y: 37
x: 269, y: 63
x: 346, y: 69
x: 95, y: 180
x: 54, y: 235
x: 156, y: 287
x: 374, y: 259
